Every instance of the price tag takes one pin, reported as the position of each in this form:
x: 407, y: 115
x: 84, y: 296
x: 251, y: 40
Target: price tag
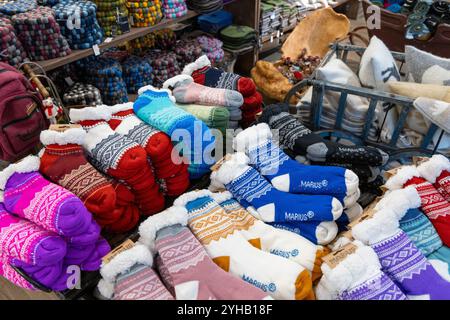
x: 108, y: 40
x: 278, y: 33
x: 271, y: 38
x: 69, y: 81
x: 96, y: 50
x: 128, y: 244
x: 63, y: 127
x: 333, y: 259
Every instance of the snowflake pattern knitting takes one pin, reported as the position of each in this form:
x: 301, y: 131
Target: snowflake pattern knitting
x: 249, y: 186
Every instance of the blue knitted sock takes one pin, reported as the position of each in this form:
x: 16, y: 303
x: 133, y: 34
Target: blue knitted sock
x: 288, y: 175
x: 192, y: 138
x: 442, y: 255
x: 420, y: 230
x: 272, y: 205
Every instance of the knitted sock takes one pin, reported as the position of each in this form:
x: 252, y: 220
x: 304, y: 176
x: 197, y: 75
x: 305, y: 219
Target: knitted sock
x: 129, y: 276
x: 270, y: 239
x: 400, y: 258
x: 158, y: 109
x: 440, y: 259
x: 270, y: 204
x: 94, y: 261
x: 232, y: 252
x: 64, y: 163
x: 28, y: 195
x: 119, y: 157
x: 185, y: 90
x: 7, y: 272
x: 51, y: 276
x: 437, y: 171
x: 288, y: 175
x: 189, y: 271
x: 157, y: 144
x: 349, y: 215
x: 300, y: 139
x: 26, y: 241
x: 432, y: 202
x: 358, y: 277
x: 202, y: 73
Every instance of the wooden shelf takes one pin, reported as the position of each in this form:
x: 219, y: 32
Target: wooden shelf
x: 133, y: 34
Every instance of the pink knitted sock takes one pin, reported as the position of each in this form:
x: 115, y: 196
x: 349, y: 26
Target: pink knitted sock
x: 7, y: 272
x: 26, y: 241
x: 188, y: 268
x: 28, y: 195
x: 185, y: 90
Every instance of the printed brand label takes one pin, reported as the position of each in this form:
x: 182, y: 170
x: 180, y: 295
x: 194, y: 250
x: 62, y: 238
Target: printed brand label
x: 299, y: 216
x: 334, y: 258
x: 285, y: 254
x: 271, y: 287
x: 314, y: 184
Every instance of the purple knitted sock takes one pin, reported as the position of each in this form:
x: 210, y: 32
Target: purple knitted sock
x: 47, y: 276
x: 28, y: 242
x: 94, y: 261
x: 29, y: 195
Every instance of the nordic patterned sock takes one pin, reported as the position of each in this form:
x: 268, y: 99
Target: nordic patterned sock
x: 401, y: 260
x: 300, y: 139
x: 358, y: 277
x: 440, y: 259
x: 64, y: 163
x: 166, y: 163
x: 87, y: 257
x: 187, y: 268
x: 129, y: 276
x: 51, y: 276
x: 185, y: 90
x: 437, y: 171
x: 28, y: 195
x: 288, y: 175
x: 119, y: 157
x: 271, y: 239
x: 433, y: 204
x: 202, y: 73
x: 158, y: 109
x: 26, y: 241
x: 270, y: 204
x: 7, y: 272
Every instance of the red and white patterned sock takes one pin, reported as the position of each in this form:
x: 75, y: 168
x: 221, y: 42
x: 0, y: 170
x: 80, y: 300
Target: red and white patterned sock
x: 437, y: 171
x: 433, y: 205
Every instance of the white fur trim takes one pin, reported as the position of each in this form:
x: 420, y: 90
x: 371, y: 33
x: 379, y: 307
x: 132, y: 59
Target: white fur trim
x: 169, y: 217
x: 191, y: 196
x: 215, y: 185
x: 127, y: 124
x: 120, y: 107
x: 382, y: 225
x: 220, y: 197
x: 432, y: 168
x: 401, y: 177
x: 105, y: 288
x: 252, y: 137
x: 232, y: 168
x: 74, y: 135
x: 400, y: 201
x: 354, y: 212
x: 97, y: 134
x: 28, y: 164
x: 173, y: 82
x: 339, y: 243
x: 201, y: 62
x: 152, y: 88
x: 125, y: 260
x: 89, y: 113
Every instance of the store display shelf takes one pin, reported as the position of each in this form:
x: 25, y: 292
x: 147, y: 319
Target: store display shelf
x: 133, y: 34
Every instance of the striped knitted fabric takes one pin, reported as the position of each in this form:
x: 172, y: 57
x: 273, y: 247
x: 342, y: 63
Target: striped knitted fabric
x: 29, y: 195
x: 420, y: 230
x: 186, y: 266
x: 129, y: 276
x: 167, y: 165
x: 224, y: 242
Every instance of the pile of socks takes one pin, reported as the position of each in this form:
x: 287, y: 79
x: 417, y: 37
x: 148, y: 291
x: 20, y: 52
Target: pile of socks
x: 187, y: 51
x: 205, y: 6
x: 165, y: 65
x: 10, y: 8
x: 40, y: 34
x: 119, y: 156
x: 107, y: 15
x: 212, y: 48
x: 139, y: 45
x: 215, y: 21
x: 82, y: 94
x: 137, y: 73
x: 191, y: 136
x: 82, y: 32
x: 203, y: 73
x: 165, y: 39
x: 236, y: 37
x: 44, y: 229
x: 270, y: 19
x: 11, y: 49
x: 106, y: 75
x: 174, y: 8
x: 214, y: 117
x: 144, y: 13
x: 64, y: 162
